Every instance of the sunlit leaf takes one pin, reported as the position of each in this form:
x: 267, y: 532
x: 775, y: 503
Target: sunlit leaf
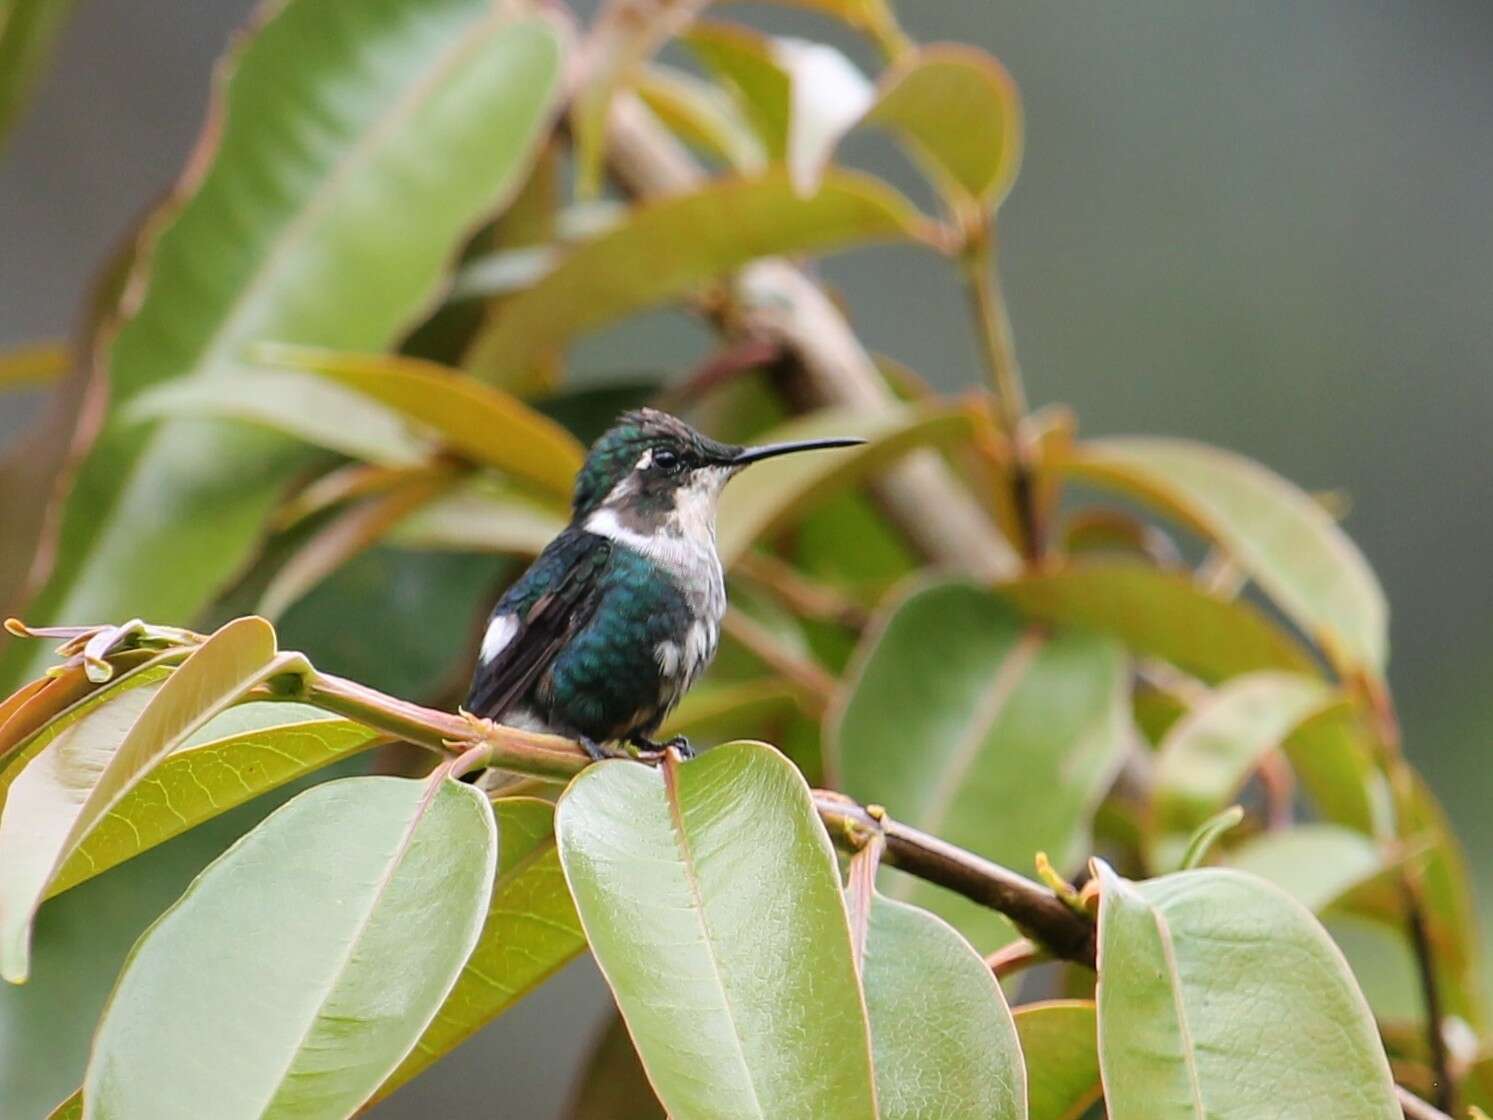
x: 1276, y: 532
x: 27, y: 367
x: 322, y: 210
x: 307, y: 408
x: 291, y: 987
x: 711, y: 900
x: 668, y: 248
x: 826, y: 95
x: 70, y: 785
x: 1316, y: 864
x: 477, y: 421
x: 771, y: 493
x: 1220, y: 998
x: 742, y: 60
x: 530, y: 933
x: 200, y: 781
x: 480, y: 517
x: 942, y: 1035
x: 995, y: 735
x: 701, y: 114
x: 1060, y: 1043
x: 1209, y: 753
x: 1161, y: 614
x: 28, y: 30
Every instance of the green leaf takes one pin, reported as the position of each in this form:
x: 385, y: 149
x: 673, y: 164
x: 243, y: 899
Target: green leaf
x: 1161, y: 614
x: 742, y: 60
x: 286, y: 986
x: 613, y: 1086
x: 355, y: 147
x: 1276, y: 532
x: 200, y: 781
x: 666, y: 249
x: 28, y: 30
x: 1201, y: 842
x: 942, y: 1035
x: 480, y: 517
x: 772, y: 493
x: 82, y: 775
x: 309, y: 409
x: 1059, y: 1041
x: 709, y: 893
x: 486, y: 425
x: 70, y: 1109
x: 530, y: 933
x: 1316, y: 864
x: 1209, y: 753
x: 996, y: 736
x: 1222, y: 998
x: 701, y: 114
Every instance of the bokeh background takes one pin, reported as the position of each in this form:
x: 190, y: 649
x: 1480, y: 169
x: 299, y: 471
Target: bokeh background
x: 1267, y: 225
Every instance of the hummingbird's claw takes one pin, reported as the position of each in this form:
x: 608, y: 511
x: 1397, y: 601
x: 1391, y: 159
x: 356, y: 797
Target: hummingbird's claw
x: 651, y: 751
x: 597, y: 752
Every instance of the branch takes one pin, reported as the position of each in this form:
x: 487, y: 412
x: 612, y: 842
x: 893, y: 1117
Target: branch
x: 774, y: 300
x: 1038, y: 912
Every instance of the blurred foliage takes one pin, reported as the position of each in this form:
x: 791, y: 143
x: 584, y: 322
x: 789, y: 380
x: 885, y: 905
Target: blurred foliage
x: 337, y: 397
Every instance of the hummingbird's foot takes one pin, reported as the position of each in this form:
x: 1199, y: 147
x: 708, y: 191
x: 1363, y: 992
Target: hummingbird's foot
x: 651, y: 751
x: 597, y: 752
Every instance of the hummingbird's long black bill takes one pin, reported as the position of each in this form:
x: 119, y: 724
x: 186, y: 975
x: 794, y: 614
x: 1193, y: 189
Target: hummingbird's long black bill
x: 772, y: 450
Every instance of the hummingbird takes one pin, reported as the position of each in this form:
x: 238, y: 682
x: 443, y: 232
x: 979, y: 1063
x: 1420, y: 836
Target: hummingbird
x: 621, y: 612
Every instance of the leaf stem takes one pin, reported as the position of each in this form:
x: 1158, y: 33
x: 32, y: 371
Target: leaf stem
x: 988, y: 305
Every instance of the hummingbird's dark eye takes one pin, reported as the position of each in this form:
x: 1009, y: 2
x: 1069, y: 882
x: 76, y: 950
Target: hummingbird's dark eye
x: 666, y: 460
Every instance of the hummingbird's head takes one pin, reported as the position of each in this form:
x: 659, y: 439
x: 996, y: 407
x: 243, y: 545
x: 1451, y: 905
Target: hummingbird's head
x: 651, y: 472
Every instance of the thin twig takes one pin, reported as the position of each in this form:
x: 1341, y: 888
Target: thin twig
x: 1417, y: 1109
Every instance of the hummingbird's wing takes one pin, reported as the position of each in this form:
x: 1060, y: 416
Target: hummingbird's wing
x: 546, y: 607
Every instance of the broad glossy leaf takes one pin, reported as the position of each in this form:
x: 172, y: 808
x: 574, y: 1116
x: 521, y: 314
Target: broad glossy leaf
x: 1060, y: 1044
x: 82, y: 775
x: 942, y: 1034
x: 771, y: 493
x: 28, y: 29
x: 1316, y: 864
x: 666, y: 249
x: 480, y: 517
x: 1221, y: 998
x: 964, y: 720
x: 41, y: 363
x: 1276, y: 532
x: 711, y: 900
x: 612, y: 1085
x: 287, y: 986
x: 304, y: 407
x: 484, y: 424
x: 701, y: 114
x: 742, y: 60
x: 1160, y: 614
x: 530, y: 933
x: 354, y: 147
x: 201, y: 780
x: 1209, y: 753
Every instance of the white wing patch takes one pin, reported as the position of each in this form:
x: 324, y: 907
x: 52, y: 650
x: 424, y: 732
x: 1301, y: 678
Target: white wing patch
x: 500, y: 632
x: 667, y: 656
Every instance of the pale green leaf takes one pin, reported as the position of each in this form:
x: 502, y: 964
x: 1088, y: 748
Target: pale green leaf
x: 1276, y: 532
x: 997, y: 736
x: 484, y: 424
x: 307, y: 408
x: 354, y: 147
x: 1208, y: 754
x: 1060, y: 1044
x: 530, y: 933
x: 1221, y: 998
x: 709, y: 893
x: 668, y: 248
x: 701, y: 114
x: 480, y: 517
x: 83, y: 774
x: 742, y: 60
x: 1316, y: 864
x: 1160, y: 614
x: 301, y: 966
x: 942, y: 1035
x: 771, y: 493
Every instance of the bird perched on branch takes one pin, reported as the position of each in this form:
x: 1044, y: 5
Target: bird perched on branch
x: 621, y: 612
